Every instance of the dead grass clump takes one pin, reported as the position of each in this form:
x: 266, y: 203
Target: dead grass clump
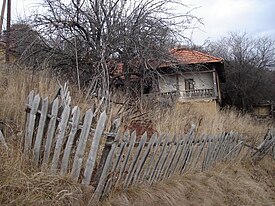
x: 15, y: 85
x: 23, y: 184
x: 179, y: 119
x: 236, y: 184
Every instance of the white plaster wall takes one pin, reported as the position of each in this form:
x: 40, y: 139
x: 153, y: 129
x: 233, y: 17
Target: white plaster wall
x: 202, y: 80
x: 168, y: 83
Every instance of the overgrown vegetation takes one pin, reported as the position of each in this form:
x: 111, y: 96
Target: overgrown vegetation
x: 249, y: 68
x: 22, y: 184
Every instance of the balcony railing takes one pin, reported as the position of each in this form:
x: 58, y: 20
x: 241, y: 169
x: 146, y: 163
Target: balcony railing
x: 197, y: 93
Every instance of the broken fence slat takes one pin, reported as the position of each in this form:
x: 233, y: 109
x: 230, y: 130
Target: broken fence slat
x: 134, y: 161
x: 144, y: 158
x: 40, y: 131
x: 50, y: 132
x: 170, y: 166
x: 197, y: 158
x: 31, y: 123
x: 29, y: 102
x: 100, y: 187
x: 150, y: 164
x: 178, y: 152
x: 60, y: 136
x: 94, y: 147
x: 186, y: 150
x: 70, y: 141
x: 163, y: 163
x: 3, y: 141
x: 78, y: 158
x: 113, y: 172
x: 156, y: 165
x: 127, y: 156
x: 188, y: 158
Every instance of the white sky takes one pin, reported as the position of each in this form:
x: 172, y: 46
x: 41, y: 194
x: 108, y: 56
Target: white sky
x: 256, y: 17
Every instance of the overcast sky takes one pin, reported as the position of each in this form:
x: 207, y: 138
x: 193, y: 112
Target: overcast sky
x: 256, y: 17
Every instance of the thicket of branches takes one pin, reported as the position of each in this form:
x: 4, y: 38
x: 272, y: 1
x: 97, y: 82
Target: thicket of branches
x: 249, y: 68
x: 89, y: 39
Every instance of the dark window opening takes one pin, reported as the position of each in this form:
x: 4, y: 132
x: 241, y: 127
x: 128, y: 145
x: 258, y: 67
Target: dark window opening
x: 189, y: 84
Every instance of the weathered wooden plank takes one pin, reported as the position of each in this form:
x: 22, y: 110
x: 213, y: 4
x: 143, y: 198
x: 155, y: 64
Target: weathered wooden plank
x: 206, y: 154
x: 201, y: 150
x: 50, y: 132
x: 163, y: 166
x: 217, y: 140
x: 70, y: 141
x: 234, y: 149
x: 220, y: 146
x: 195, y: 152
x: 187, y: 158
x: 40, y: 131
x: 209, y: 158
x: 60, y: 136
x: 264, y: 148
x: 100, y: 187
x: 186, y: 150
x: 133, y: 165
x: 78, y: 158
x: 156, y: 165
x: 107, y: 147
x: 30, y: 129
x: 30, y: 98
x: 29, y: 102
x: 3, y: 141
x: 172, y: 160
x: 112, y: 179
x: 150, y: 164
x: 94, y: 147
x: 176, y: 155
x: 127, y: 156
x: 152, y: 140
x: 238, y: 152
x: 225, y: 146
x: 232, y: 144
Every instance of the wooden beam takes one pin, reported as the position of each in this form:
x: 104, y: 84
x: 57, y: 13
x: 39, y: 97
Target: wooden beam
x: 2, y: 15
x: 7, y: 56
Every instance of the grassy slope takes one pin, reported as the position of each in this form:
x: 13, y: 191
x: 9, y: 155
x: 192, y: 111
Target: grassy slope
x: 226, y: 184
x: 234, y: 184
x: 21, y: 184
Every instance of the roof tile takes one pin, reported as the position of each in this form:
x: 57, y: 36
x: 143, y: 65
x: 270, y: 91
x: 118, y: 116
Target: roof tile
x: 184, y: 56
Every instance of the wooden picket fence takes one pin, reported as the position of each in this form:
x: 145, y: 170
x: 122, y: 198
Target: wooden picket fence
x: 58, y: 140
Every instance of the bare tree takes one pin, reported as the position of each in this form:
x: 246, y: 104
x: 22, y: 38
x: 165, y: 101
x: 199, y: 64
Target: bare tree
x: 248, y: 68
x: 102, y: 34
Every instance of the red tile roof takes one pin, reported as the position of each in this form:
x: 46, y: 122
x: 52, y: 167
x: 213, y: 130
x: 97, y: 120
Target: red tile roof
x: 184, y: 56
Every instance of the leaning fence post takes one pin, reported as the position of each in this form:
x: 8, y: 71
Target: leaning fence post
x: 106, y: 149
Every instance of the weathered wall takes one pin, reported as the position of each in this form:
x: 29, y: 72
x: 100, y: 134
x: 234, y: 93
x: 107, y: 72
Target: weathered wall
x: 208, y: 107
x: 168, y: 83
x: 202, y: 81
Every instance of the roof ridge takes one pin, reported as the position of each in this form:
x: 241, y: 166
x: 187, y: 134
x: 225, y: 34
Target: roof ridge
x: 196, y: 51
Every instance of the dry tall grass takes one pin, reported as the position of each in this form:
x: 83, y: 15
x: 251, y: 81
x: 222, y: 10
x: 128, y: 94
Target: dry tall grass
x: 178, y: 119
x: 226, y: 184
x: 23, y: 184
x: 15, y: 85
x: 234, y: 185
